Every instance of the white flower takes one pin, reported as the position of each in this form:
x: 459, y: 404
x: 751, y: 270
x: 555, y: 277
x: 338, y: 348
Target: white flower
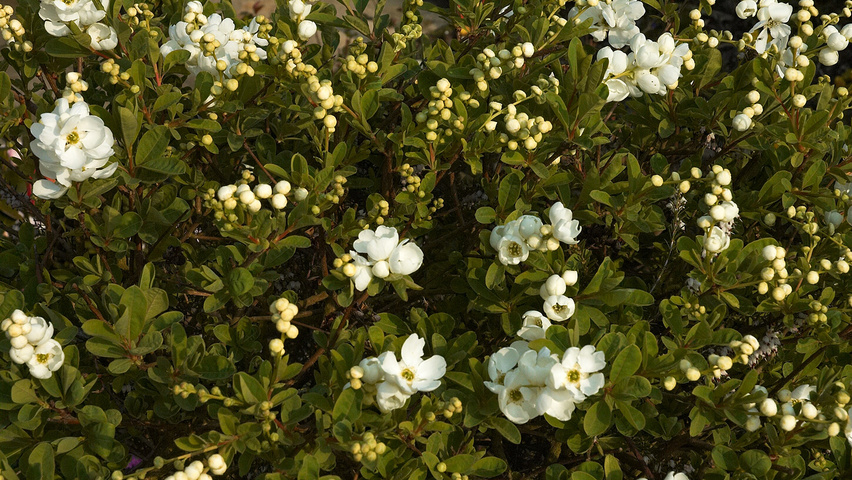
x: 616, y: 19
x: 406, y: 258
x: 848, y: 429
x: 536, y: 365
x: 741, y: 122
x: 558, y: 403
x: 565, y: 228
x: 46, y: 359
x: 299, y: 10
x: 71, y: 145
x: 570, y: 277
x: 373, y: 372
x: 307, y: 29
x: 746, y: 9
x: 57, y: 13
x: 559, y: 308
x: 554, y: 285
x: 381, y: 269
x: 512, y: 250
x: 676, y: 476
x: 413, y: 374
x: 501, y: 363
x: 579, y: 372
x: 802, y: 393
x: 732, y: 211
x: 378, y: 244
x: 363, y: 271
x: 217, y: 464
x: 103, y: 37
x: 535, y: 326
x: 528, y: 225
x: 40, y: 331
x: 389, y: 396
x: 21, y: 355
x: 773, y: 26
x: 517, y: 399
x: 716, y: 240
x: 617, y: 66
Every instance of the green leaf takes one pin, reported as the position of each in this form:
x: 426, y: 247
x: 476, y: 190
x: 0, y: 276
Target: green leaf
x: 597, y: 419
x: 152, y: 145
x: 755, y: 462
x: 41, y: 462
x: 488, y: 467
x: 510, y: 188
x: 347, y: 406
x: 215, y: 367
x: 633, y: 416
x: 132, y: 321
x: 240, y: 281
x: 626, y: 363
x: 506, y: 428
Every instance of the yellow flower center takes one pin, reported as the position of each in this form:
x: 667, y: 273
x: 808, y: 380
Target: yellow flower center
x: 516, y: 396
x: 515, y: 249
x: 408, y: 375
x: 574, y: 376
x: 43, y: 357
x: 72, y: 138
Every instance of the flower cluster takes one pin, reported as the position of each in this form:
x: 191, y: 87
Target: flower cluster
x: 74, y: 86
x: 283, y: 312
x: 215, y: 45
x: 717, y: 225
x: 71, y: 146
x: 326, y: 100
x: 358, y: 62
x: 390, y: 382
x: 33, y: 344
x: 299, y: 12
x: 514, y: 240
x: 439, y: 118
x: 291, y: 57
x: 368, y: 449
x: 521, y: 128
x: 557, y: 306
x: 743, y: 121
x: 492, y: 65
x: 57, y: 14
x: 12, y: 30
x: 407, y: 33
x: 613, y: 20
x: 231, y: 202
x: 530, y: 383
x: 800, y: 408
x: 776, y: 272
x: 385, y: 256
x: 652, y: 67
x: 197, y: 471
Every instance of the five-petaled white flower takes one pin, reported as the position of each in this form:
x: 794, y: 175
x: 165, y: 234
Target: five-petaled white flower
x: 46, y: 359
x: 517, y: 399
x: 559, y: 308
x: 378, y: 244
x: 773, y: 26
x: 363, y: 271
x: 512, y: 250
x: 579, y: 372
x: 413, y: 373
x: 71, y: 145
x: 406, y: 258
x: 535, y: 325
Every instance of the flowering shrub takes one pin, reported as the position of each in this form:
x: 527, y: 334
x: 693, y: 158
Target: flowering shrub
x: 588, y: 240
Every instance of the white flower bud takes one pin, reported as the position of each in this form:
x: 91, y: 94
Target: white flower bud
x: 809, y: 411
x: 263, y: 191
x: 788, y: 423
x: 769, y: 407
x: 741, y: 122
x: 569, y: 277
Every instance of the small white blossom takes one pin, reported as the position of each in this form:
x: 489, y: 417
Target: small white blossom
x: 58, y: 13
x: 716, y: 240
x: 565, y: 228
x: 579, y: 372
x: 535, y: 326
x: 46, y: 359
x: 413, y: 373
x: 559, y: 308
